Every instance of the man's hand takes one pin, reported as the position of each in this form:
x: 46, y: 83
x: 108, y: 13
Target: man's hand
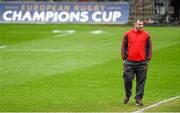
x: 147, y: 61
x: 124, y: 61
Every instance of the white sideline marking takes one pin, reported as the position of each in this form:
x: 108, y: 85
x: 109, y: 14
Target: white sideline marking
x: 97, y: 32
x: 156, y: 104
x: 4, y: 46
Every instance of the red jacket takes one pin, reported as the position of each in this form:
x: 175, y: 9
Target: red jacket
x: 136, y: 46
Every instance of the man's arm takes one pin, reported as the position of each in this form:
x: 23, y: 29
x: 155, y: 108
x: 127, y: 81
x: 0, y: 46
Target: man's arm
x: 148, y: 49
x: 124, y: 48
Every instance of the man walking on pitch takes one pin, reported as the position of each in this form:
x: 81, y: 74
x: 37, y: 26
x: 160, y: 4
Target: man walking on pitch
x: 136, y: 53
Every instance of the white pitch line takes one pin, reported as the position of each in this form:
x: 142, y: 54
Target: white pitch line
x: 97, y: 32
x: 156, y: 104
x: 36, y: 50
x: 64, y: 31
x: 3, y: 46
x: 62, y: 35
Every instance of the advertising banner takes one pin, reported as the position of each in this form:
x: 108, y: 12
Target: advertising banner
x: 64, y: 12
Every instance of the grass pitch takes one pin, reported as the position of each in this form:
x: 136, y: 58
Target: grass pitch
x: 69, y: 67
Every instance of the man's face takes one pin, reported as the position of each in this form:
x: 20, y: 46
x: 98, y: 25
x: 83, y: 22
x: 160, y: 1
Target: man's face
x: 139, y: 26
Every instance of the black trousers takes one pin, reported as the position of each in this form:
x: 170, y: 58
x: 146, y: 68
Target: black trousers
x: 138, y: 70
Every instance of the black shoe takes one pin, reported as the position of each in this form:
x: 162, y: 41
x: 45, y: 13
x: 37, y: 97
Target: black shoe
x: 139, y: 103
x: 126, y: 100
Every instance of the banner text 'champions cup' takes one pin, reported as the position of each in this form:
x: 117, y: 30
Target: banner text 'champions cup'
x: 64, y: 12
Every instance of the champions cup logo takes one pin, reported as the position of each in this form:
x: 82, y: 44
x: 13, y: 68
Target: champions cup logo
x: 74, y: 13
x: 61, y: 16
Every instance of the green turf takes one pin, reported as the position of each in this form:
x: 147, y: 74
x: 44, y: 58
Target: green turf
x: 80, y: 72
